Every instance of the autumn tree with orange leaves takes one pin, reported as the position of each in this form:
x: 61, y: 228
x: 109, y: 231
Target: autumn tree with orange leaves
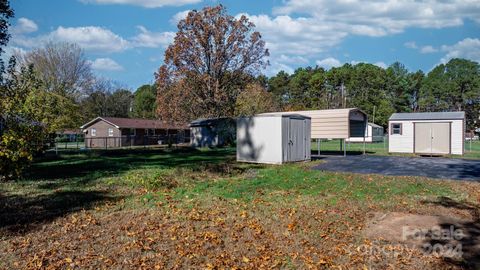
x: 213, y: 57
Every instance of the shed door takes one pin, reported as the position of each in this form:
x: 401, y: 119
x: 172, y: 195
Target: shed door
x: 296, y: 140
x: 432, y: 138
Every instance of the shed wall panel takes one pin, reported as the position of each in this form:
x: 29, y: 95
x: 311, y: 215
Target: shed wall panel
x: 404, y: 143
x: 259, y: 139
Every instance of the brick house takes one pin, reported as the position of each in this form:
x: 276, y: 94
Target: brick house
x: 107, y: 132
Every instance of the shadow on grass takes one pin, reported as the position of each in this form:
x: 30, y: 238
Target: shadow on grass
x: 90, y: 166
x: 19, y: 214
x: 469, y: 242
x: 67, y: 182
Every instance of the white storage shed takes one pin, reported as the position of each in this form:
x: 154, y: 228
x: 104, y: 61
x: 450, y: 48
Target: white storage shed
x: 273, y: 138
x: 373, y: 133
x: 430, y: 133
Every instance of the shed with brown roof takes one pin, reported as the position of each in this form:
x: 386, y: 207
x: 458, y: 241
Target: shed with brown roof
x: 108, y: 132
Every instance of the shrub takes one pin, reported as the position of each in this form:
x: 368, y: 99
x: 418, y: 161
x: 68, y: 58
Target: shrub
x: 18, y: 145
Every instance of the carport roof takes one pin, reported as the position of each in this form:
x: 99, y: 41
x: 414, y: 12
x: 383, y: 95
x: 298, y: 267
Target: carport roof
x: 428, y: 116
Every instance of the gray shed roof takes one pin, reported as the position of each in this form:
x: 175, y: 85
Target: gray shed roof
x: 282, y: 114
x: 211, y: 121
x: 374, y: 125
x: 428, y: 116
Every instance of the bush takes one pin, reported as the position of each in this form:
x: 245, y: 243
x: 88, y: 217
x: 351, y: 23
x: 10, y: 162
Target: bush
x: 18, y: 145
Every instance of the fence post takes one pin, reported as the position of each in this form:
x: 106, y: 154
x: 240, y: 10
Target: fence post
x: 384, y: 143
x: 106, y: 146
x: 318, y: 146
x: 471, y: 139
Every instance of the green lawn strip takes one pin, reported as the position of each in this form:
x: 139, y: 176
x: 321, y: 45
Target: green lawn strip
x: 151, y: 176
x: 381, y: 148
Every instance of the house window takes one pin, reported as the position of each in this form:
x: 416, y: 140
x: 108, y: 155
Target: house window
x: 396, y: 128
x: 132, y: 132
x: 94, y: 132
x: 110, y: 132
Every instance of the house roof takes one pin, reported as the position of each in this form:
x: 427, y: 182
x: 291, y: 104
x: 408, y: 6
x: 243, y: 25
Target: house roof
x: 428, y: 116
x: 136, y: 123
x: 209, y: 121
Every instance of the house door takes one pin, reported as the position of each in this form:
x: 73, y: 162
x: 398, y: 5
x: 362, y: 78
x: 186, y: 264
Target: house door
x: 432, y: 138
x: 296, y: 140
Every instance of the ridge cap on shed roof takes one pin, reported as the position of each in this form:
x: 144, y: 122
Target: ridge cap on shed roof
x: 281, y: 114
x: 428, y: 115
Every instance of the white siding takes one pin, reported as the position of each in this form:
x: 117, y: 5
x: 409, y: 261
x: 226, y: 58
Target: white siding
x: 457, y: 137
x: 259, y: 138
x: 401, y: 143
x: 404, y: 143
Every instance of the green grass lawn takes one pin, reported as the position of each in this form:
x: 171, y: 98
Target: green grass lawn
x: 381, y: 148
x: 200, y: 209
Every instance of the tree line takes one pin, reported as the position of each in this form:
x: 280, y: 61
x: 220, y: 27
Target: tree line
x: 212, y: 69
x: 453, y: 86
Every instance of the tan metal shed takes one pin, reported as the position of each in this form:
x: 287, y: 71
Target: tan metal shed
x: 335, y: 124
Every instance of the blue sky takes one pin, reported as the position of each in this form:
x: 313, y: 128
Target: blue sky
x: 125, y: 39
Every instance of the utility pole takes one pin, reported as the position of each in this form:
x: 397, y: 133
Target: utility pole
x: 342, y: 90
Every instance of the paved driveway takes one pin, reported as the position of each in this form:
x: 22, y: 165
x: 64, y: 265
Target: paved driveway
x: 445, y: 168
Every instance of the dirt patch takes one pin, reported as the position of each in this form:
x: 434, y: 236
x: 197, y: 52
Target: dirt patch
x: 454, y: 239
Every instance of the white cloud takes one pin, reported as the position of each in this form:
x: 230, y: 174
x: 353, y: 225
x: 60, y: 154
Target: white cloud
x: 276, y: 67
x: 97, y: 39
x: 378, y: 18
x: 285, y: 63
x: 428, y: 49
x: 179, y: 16
x: 328, y: 63
x: 92, y: 38
x: 411, y: 45
x: 298, y: 36
x: 292, y: 59
x: 145, y: 3
x: 105, y: 64
x: 308, y: 28
x: 380, y: 64
x: 468, y: 48
x: 421, y: 49
x: 12, y: 51
x: 150, y: 39
x: 24, y: 26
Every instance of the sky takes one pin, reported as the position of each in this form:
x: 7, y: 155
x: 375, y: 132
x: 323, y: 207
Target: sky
x: 125, y: 40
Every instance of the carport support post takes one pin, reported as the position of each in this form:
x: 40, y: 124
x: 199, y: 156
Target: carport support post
x: 344, y: 149
x: 364, y: 144
x: 318, y: 146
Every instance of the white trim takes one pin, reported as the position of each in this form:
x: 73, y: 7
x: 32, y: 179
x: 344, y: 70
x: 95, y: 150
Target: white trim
x: 95, y: 120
